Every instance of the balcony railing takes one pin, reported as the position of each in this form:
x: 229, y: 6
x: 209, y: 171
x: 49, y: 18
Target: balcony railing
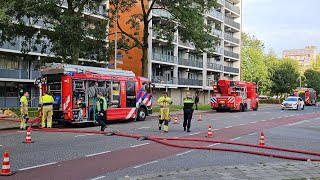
x: 218, y: 49
x: 231, y: 54
x: 221, y: 2
x: 216, y: 14
x: 232, y: 7
x: 215, y: 66
x: 99, y: 11
x: 231, y: 69
x: 189, y: 82
x: 161, y: 13
x: 164, y: 80
x: 14, y: 73
x: 216, y: 32
x: 163, y: 37
x: 232, y: 23
x: 191, y: 63
x: 164, y: 58
x: 35, y: 74
x: 187, y: 44
x: 229, y: 37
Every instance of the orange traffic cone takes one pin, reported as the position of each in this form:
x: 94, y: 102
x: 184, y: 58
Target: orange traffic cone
x: 200, y: 117
x: 175, y: 120
x: 6, y: 165
x: 262, y: 139
x: 28, y: 137
x: 210, y: 134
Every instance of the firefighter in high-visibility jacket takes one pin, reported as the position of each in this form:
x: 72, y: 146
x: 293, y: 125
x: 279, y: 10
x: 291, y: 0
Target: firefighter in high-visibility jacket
x: 164, y: 117
x: 47, y: 107
x: 24, y: 110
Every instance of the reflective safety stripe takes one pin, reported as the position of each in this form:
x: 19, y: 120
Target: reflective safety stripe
x: 130, y: 113
x: 5, y: 167
x: 6, y: 159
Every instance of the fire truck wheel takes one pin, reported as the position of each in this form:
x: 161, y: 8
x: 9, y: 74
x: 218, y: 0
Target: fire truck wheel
x: 142, y: 113
x: 256, y: 108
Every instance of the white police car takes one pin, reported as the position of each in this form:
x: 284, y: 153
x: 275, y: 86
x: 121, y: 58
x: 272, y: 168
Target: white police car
x: 293, y: 102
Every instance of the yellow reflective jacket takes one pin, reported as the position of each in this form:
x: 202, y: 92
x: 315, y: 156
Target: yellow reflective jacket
x: 164, y: 101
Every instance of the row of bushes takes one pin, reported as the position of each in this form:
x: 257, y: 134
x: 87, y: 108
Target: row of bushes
x: 271, y: 101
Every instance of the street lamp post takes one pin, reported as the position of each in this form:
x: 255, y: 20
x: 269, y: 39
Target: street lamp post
x: 116, y: 38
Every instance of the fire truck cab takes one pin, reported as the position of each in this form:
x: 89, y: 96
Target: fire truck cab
x: 234, y: 95
x: 308, y: 95
x: 75, y: 87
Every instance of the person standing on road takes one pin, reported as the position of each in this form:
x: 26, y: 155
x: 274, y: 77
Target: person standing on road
x: 187, y: 111
x: 196, y: 100
x: 24, y: 110
x: 101, y: 111
x: 47, y: 107
x: 164, y: 117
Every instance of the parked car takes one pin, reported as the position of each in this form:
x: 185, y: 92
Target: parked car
x: 293, y: 102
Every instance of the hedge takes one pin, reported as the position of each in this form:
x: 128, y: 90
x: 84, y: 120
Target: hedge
x: 271, y: 101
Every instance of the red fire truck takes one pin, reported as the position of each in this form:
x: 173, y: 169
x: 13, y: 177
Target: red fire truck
x: 74, y: 89
x: 234, y: 95
x: 309, y: 95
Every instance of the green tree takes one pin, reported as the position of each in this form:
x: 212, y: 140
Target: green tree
x: 312, y: 79
x: 253, y: 66
x: 65, y: 30
x: 285, y: 76
x: 315, y: 65
x: 183, y: 15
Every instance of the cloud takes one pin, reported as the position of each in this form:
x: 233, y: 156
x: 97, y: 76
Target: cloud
x: 283, y: 24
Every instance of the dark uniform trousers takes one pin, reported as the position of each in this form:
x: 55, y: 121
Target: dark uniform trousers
x: 187, y: 118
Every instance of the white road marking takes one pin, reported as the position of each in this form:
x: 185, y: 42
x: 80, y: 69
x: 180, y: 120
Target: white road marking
x: 286, y: 116
x: 240, y: 124
x: 194, y: 133
x: 236, y: 138
x: 97, y: 153
x: 82, y: 135
x: 267, y: 112
x: 0, y: 145
x: 272, y: 118
x: 100, y: 177
x: 253, y: 122
x: 252, y: 134
x: 32, y: 167
x: 301, y: 122
x: 215, y: 129
x: 254, y: 114
x: 213, y: 119
x: 21, y: 131
x: 139, y: 145
x: 214, y: 144
x: 144, y: 128
x: 228, y: 127
x: 180, y: 154
x: 235, y: 116
x: 263, y: 120
x: 278, y: 117
x: 145, y: 164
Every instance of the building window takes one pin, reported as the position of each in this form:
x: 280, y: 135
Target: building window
x: 7, y: 62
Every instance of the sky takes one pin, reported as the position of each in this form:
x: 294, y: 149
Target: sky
x: 283, y: 24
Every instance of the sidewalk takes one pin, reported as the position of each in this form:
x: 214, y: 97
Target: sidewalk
x: 274, y: 171
x: 180, y: 112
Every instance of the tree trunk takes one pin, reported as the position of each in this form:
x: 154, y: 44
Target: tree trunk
x: 75, y: 55
x: 145, y: 46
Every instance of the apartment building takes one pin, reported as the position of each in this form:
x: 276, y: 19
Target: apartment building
x: 18, y: 71
x: 181, y: 68
x: 304, y: 56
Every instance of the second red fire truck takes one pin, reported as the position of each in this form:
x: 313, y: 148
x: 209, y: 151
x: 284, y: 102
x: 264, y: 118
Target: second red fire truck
x: 234, y: 95
x: 309, y: 95
x: 74, y: 89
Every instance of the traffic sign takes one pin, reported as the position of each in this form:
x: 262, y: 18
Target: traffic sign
x: 110, y: 65
x: 120, y: 56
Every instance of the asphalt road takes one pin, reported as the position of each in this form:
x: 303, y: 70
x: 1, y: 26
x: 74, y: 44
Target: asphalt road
x: 90, y: 156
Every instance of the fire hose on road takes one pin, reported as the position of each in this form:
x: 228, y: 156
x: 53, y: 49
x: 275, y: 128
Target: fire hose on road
x: 164, y: 141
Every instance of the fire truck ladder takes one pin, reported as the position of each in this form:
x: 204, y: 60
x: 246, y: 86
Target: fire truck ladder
x: 59, y: 68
